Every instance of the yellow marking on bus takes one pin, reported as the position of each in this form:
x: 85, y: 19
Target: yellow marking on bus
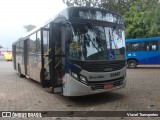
x: 57, y: 64
x: 47, y: 63
x: 58, y: 51
x: 47, y: 53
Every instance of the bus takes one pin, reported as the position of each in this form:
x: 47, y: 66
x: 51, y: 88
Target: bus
x: 143, y: 51
x: 80, y: 51
x: 8, y: 56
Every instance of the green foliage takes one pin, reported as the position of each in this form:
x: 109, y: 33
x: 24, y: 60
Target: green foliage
x: 141, y: 17
x: 120, y: 6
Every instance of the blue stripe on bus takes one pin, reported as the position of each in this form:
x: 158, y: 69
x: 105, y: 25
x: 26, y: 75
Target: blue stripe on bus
x: 150, y: 60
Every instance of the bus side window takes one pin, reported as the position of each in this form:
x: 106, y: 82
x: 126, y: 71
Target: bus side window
x: 155, y: 45
x: 150, y: 46
x: 133, y: 47
x: 38, y: 43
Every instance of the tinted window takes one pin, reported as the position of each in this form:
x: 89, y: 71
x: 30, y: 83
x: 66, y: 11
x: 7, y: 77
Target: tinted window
x: 32, y: 47
x: 133, y: 47
x: 38, y: 42
x: 97, y: 15
x: 150, y: 46
x: 17, y: 48
x: 21, y: 47
x: 45, y: 41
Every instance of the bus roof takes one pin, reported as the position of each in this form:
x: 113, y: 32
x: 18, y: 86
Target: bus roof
x: 59, y: 14
x: 142, y: 39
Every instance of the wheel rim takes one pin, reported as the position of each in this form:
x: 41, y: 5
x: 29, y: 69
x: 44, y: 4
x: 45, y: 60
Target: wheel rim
x: 132, y: 63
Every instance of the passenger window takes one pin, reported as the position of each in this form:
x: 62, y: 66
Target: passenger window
x: 32, y: 47
x: 38, y: 42
x: 17, y: 47
x: 150, y: 46
x: 21, y: 47
x: 133, y: 47
x: 98, y: 15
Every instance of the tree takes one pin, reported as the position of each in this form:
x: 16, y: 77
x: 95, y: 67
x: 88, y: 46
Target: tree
x: 142, y: 19
x: 120, y: 6
x: 155, y: 22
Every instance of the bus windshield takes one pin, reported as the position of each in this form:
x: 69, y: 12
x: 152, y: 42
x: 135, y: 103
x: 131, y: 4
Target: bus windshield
x: 97, y: 43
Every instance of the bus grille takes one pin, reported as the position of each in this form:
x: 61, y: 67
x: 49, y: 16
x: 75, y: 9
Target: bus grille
x: 102, y: 66
x: 100, y: 84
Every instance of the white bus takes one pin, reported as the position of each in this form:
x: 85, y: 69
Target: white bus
x: 79, y: 52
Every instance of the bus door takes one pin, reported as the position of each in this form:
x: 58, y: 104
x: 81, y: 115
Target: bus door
x: 46, y: 60
x: 57, y: 45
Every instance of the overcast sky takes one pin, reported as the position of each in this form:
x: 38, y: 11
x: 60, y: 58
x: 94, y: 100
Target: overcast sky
x: 14, y: 14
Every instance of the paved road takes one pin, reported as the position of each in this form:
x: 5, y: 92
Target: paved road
x: 142, y: 93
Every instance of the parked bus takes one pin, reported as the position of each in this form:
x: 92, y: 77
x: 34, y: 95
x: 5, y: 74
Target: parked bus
x: 8, y: 56
x: 80, y: 51
x: 143, y: 51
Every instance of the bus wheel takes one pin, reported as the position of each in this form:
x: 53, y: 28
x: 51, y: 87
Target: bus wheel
x: 132, y: 63
x: 19, y: 72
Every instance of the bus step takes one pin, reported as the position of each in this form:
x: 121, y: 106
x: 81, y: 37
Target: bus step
x: 57, y: 90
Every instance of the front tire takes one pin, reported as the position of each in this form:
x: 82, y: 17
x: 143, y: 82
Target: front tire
x: 132, y: 63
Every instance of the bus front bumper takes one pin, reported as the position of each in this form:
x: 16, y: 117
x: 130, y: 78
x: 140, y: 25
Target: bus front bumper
x: 75, y: 88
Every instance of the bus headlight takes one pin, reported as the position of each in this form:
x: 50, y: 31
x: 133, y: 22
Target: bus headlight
x: 83, y: 78
x: 74, y: 75
x: 78, y: 77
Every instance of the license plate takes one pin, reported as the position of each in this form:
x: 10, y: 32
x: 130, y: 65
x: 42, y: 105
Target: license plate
x: 108, y: 86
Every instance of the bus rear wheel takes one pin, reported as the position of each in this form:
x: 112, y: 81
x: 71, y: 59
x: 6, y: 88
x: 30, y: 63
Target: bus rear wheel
x: 132, y: 63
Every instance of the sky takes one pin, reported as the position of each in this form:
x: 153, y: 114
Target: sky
x: 14, y: 14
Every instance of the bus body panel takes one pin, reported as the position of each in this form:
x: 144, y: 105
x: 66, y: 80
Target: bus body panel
x: 149, y: 57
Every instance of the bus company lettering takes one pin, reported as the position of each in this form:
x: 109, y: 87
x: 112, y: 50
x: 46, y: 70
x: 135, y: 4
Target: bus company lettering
x: 115, y: 74
x: 96, y: 77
